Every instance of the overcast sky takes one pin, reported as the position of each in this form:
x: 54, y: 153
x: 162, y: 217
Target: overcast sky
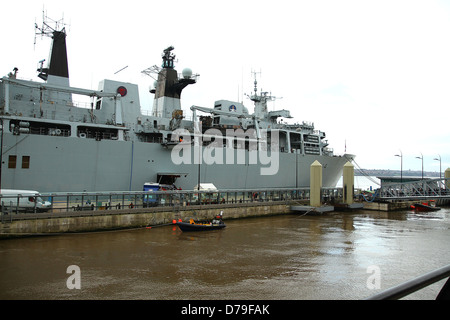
x: 373, y: 75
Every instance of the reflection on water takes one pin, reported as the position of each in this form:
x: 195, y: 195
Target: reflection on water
x: 282, y: 257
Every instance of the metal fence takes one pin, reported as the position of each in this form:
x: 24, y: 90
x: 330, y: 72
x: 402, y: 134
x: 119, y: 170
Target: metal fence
x: 420, y: 189
x: 103, y: 201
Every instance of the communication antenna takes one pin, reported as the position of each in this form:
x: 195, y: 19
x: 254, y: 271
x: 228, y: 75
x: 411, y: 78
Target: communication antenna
x: 120, y: 70
x: 263, y: 95
x: 254, y: 97
x: 46, y: 28
x: 256, y: 82
x: 152, y: 72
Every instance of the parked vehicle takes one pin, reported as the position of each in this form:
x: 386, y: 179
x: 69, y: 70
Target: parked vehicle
x: 150, y: 199
x: 23, y: 200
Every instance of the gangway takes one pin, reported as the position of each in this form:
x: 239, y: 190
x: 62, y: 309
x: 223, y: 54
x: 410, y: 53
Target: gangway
x: 423, y: 189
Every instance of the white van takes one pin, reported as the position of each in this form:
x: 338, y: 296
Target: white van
x: 28, y: 200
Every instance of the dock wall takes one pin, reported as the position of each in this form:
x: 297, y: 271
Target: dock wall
x: 30, y: 224
x: 129, y: 219
x: 388, y: 206
x: 398, y: 205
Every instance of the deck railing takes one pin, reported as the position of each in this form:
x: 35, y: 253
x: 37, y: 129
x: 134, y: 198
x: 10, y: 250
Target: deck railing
x: 416, y: 284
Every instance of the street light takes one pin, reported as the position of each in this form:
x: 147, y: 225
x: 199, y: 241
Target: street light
x: 440, y: 170
x: 401, y: 165
x: 421, y: 157
x: 440, y: 165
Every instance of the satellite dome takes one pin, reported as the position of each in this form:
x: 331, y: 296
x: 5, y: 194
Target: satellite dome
x: 187, y: 73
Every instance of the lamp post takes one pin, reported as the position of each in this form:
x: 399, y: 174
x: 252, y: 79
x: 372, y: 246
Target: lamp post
x: 421, y: 157
x: 440, y: 170
x: 401, y: 166
x: 440, y: 165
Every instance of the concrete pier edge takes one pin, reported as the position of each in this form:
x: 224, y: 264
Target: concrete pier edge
x: 111, y: 220
x: 127, y: 219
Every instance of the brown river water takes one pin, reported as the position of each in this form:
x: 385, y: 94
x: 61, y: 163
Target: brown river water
x: 287, y: 257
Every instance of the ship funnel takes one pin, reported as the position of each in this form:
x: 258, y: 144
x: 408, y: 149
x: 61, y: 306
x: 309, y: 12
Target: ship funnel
x: 58, y: 61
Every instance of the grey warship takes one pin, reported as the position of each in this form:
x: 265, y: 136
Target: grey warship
x: 51, y: 144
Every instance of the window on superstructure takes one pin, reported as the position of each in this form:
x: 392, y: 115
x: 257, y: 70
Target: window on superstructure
x: 12, y: 162
x: 98, y: 104
x: 25, y: 162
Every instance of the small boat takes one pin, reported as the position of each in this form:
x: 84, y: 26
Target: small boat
x: 425, y: 206
x: 215, y: 224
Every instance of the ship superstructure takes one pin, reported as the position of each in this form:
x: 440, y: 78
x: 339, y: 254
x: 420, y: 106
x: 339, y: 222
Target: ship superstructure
x: 51, y: 144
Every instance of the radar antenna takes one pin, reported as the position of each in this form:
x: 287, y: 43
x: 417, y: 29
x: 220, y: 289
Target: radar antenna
x: 168, y: 60
x: 168, y: 57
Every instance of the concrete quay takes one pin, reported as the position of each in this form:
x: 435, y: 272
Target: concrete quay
x: 388, y: 206
x: 35, y: 224
x: 92, y: 221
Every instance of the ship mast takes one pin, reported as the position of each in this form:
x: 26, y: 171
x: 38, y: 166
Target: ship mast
x: 261, y: 111
x: 168, y: 86
x: 57, y: 71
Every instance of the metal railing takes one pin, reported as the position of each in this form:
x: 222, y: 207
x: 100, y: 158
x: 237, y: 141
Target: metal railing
x: 421, y: 189
x: 416, y: 284
x: 106, y: 201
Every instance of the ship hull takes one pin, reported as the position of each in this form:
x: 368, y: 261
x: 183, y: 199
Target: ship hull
x: 58, y: 164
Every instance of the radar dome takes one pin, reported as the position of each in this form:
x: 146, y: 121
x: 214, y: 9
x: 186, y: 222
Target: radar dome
x: 187, y: 73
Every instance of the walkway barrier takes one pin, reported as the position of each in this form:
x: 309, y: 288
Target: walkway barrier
x: 416, y: 284
x: 416, y: 190
x: 101, y: 202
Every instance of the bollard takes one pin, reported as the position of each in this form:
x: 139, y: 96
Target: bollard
x: 348, y: 183
x: 315, y: 184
